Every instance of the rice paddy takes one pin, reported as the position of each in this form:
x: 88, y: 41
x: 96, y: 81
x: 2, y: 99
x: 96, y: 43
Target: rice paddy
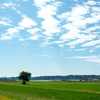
x: 50, y: 90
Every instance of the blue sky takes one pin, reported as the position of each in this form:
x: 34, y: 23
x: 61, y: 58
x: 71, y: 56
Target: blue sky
x: 49, y: 37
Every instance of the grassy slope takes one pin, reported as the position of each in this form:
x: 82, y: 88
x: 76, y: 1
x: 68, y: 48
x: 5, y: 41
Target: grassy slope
x: 51, y: 90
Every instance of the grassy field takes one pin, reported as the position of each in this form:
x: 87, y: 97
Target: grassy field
x: 50, y: 90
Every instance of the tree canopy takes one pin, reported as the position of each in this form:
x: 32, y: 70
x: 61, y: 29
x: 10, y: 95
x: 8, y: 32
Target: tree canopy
x: 24, y: 76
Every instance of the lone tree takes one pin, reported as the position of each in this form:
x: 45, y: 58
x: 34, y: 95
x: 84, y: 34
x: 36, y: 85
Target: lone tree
x: 24, y: 76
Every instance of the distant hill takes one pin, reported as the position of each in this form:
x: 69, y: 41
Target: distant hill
x: 68, y: 77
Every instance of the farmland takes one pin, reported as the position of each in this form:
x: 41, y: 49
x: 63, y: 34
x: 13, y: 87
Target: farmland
x: 13, y: 90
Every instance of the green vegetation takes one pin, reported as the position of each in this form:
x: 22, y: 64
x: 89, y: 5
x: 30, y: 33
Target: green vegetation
x: 3, y: 98
x: 61, y: 90
x: 24, y: 76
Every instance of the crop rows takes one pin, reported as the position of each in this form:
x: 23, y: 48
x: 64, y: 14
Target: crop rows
x: 51, y: 91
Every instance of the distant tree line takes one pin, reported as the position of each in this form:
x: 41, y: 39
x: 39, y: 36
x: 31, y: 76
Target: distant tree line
x: 68, y: 77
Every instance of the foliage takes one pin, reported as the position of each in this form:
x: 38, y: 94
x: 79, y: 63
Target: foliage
x: 24, y: 76
x: 63, y: 80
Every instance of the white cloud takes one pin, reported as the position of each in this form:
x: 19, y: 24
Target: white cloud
x: 34, y: 31
x: 5, y: 21
x: 40, y: 3
x: 96, y: 9
x: 21, y: 39
x: 76, y: 19
x: 50, y: 24
x: 8, y: 4
x: 90, y: 2
x: 47, y: 11
x: 92, y: 58
x: 12, y: 31
x: 61, y: 45
x: 89, y: 30
x: 35, y: 37
x: 80, y: 49
x: 98, y: 3
x: 79, y: 26
x: 76, y: 27
x: 72, y: 34
x: 91, y: 43
x: 85, y: 57
x: 57, y: 42
x: 45, y: 43
x: 5, y: 37
x: 27, y: 22
x: 75, y: 14
x: 91, y: 51
x: 94, y: 19
x: 83, y: 38
x: 98, y: 46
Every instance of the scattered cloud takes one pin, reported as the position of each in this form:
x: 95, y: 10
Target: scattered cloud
x: 34, y: 37
x: 91, y: 43
x: 40, y: 3
x: 33, y: 31
x: 11, y: 33
x: 5, y: 37
x: 80, y: 49
x: 8, y: 5
x: 85, y: 57
x: 14, y: 31
x: 79, y: 28
x: 91, y: 29
x: 75, y: 21
x: 98, y: 46
x: 5, y: 21
x: 34, y: 34
x: 91, y: 51
x: 57, y: 42
x: 93, y: 58
x: 27, y: 22
x: 21, y: 39
x: 90, y: 2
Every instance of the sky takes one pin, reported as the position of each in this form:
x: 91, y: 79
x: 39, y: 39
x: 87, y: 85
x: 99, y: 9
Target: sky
x: 49, y: 37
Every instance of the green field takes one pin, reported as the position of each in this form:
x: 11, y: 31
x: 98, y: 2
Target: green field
x: 50, y: 90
